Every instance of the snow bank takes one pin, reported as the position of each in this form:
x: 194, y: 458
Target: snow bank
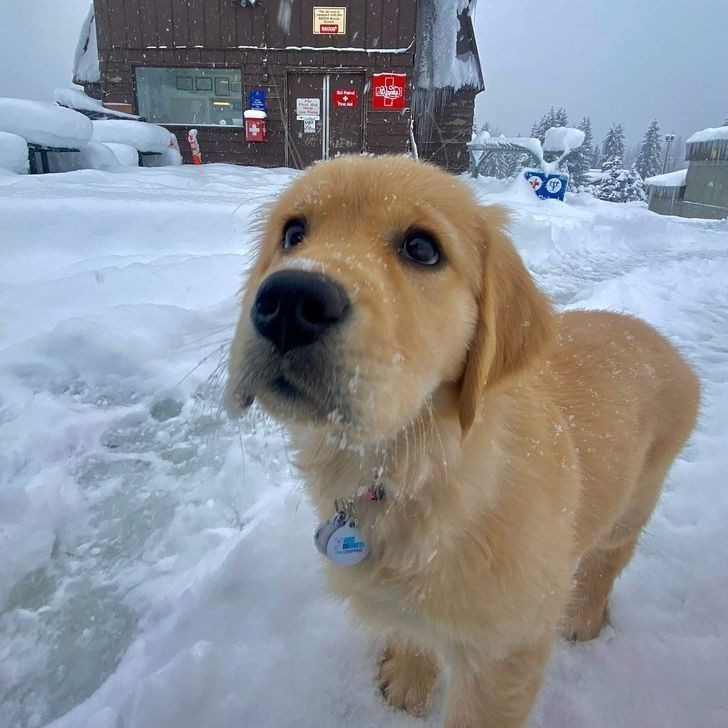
x: 709, y: 135
x: 48, y: 125
x: 86, y: 67
x: 563, y: 139
x: 125, y: 154
x: 13, y: 153
x: 671, y: 179
x: 75, y: 98
x: 142, y: 136
x: 93, y: 156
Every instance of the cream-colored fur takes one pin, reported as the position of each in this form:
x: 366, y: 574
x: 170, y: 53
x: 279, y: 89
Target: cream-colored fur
x: 522, y: 452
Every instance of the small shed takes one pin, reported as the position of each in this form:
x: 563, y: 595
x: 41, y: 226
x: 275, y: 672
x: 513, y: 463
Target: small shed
x: 702, y: 189
x: 373, y: 76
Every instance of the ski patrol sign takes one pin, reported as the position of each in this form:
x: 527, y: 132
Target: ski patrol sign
x: 388, y: 91
x: 547, y: 186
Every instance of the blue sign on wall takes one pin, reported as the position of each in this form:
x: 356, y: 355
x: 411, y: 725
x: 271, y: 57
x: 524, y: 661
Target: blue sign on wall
x: 547, y: 186
x: 256, y: 99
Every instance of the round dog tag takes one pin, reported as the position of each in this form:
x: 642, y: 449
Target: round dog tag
x: 347, y: 546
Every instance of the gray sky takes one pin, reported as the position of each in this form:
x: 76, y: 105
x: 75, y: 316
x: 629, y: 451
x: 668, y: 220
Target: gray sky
x: 627, y: 61
x: 615, y: 60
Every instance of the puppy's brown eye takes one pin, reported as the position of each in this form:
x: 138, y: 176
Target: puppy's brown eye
x: 420, y: 247
x: 293, y: 233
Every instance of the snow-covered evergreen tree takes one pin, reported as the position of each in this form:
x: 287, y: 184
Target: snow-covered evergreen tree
x: 620, y: 185
x: 649, y: 159
x: 539, y: 129
x: 580, y: 161
x: 596, y: 160
x: 613, y: 147
x: 561, y: 118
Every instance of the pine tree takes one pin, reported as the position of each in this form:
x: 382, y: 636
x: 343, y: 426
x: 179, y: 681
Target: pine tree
x: 580, y: 161
x: 561, y: 118
x: 539, y: 129
x: 596, y: 160
x: 649, y: 159
x: 620, y: 185
x: 613, y: 147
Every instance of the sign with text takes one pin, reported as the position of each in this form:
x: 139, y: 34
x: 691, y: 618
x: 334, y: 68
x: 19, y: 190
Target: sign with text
x: 329, y: 21
x: 347, y: 98
x: 388, y: 91
x: 547, y: 186
x: 308, y: 108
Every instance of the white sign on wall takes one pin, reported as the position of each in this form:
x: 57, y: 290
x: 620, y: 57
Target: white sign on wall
x: 329, y: 21
x: 308, y: 108
x: 309, y: 126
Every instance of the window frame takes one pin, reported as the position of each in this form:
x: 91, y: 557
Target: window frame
x: 191, y: 67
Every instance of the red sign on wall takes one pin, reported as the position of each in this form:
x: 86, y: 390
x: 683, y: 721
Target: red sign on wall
x: 388, y: 91
x: 346, y: 97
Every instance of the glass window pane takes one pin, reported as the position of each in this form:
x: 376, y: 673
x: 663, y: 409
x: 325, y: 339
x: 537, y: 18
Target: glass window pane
x: 199, y: 96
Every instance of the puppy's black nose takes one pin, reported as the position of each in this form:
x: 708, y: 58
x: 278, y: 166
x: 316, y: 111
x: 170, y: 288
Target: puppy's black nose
x: 294, y: 308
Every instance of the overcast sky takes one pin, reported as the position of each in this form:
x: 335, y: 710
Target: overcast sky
x: 615, y: 60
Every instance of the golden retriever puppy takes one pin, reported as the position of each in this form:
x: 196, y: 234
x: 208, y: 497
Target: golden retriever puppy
x: 494, y: 462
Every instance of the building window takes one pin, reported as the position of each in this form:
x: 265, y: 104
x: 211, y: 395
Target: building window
x: 200, y: 96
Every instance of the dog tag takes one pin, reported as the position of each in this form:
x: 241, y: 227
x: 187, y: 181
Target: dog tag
x: 341, y: 541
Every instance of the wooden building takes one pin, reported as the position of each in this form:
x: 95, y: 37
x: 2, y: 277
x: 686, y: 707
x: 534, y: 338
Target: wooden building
x: 333, y: 79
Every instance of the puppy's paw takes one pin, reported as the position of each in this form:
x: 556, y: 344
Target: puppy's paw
x: 585, y: 625
x: 407, y: 679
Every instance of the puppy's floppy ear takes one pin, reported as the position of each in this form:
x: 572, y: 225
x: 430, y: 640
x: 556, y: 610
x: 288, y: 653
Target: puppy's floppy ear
x: 515, y: 320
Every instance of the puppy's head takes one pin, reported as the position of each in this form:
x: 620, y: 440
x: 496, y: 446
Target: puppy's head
x: 379, y: 280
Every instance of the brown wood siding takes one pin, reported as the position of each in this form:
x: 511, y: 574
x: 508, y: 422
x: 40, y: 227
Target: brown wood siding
x: 212, y: 31
x: 371, y: 24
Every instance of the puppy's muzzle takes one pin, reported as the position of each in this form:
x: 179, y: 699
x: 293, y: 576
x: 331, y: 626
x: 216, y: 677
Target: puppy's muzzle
x: 294, y: 308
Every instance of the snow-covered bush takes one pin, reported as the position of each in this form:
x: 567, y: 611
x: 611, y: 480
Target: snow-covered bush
x: 620, y: 185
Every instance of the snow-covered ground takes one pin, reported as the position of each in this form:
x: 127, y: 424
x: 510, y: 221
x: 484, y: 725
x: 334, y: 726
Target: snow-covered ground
x: 157, y: 566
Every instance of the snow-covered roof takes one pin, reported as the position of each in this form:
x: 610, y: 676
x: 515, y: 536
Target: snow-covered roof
x: 13, y: 153
x: 75, y: 98
x: 447, y: 54
x: 563, y: 139
x: 709, y: 135
x: 47, y: 125
x: 86, y: 67
x: 142, y: 136
x: 671, y: 179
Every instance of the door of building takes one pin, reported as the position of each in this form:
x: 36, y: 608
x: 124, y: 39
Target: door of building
x: 325, y: 115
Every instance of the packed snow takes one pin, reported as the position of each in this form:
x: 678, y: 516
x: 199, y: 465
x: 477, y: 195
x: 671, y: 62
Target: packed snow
x: 13, y: 153
x: 86, y: 67
x: 709, y: 135
x: 75, y: 98
x: 47, y: 125
x: 142, y: 136
x: 125, y: 154
x: 158, y: 561
x: 671, y: 179
x: 563, y: 139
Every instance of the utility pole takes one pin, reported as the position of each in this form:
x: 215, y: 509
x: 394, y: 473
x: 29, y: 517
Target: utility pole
x: 669, y: 138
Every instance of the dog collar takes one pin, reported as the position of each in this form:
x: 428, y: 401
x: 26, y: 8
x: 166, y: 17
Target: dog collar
x: 339, y: 538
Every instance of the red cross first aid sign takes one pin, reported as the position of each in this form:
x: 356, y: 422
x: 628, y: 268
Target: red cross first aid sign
x: 388, y: 91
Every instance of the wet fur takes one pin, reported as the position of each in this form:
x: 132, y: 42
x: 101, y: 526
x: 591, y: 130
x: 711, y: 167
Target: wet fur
x: 523, y: 452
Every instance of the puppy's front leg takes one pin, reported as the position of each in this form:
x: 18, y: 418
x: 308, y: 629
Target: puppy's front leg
x: 407, y: 677
x: 498, y: 694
